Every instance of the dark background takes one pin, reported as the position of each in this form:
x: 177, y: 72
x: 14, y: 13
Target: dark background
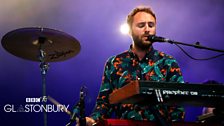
x: 96, y: 23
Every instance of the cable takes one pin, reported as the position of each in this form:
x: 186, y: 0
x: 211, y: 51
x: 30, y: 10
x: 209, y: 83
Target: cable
x: 213, y: 57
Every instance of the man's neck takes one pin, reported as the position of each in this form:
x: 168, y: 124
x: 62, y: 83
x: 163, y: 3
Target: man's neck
x: 139, y: 52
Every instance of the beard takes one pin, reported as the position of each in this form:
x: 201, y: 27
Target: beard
x: 140, y: 43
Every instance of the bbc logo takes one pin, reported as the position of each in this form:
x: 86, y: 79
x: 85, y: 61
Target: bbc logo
x: 32, y: 99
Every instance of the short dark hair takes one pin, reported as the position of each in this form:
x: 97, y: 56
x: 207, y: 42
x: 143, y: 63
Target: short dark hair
x: 136, y: 10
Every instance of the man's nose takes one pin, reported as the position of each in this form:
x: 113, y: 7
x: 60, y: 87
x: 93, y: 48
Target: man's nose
x: 147, y: 28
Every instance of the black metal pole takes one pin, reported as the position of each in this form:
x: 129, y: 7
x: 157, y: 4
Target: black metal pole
x: 196, y: 45
x: 44, y: 67
x: 82, y: 118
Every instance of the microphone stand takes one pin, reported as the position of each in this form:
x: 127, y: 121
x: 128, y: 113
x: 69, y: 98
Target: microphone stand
x: 162, y: 121
x: 196, y: 45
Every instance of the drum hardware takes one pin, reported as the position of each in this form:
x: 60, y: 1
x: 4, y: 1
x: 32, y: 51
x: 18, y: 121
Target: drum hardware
x: 42, y: 45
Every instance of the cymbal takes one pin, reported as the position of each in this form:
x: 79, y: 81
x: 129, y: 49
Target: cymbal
x: 25, y: 43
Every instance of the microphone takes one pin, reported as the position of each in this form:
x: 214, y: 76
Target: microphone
x: 79, y: 109
x: 154, y: 38
x: 82, y: 118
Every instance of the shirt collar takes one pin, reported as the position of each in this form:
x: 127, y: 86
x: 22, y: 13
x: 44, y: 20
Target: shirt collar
x: 148, y: 55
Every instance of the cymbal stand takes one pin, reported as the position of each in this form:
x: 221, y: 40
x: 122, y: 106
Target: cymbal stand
x: 44, y: 67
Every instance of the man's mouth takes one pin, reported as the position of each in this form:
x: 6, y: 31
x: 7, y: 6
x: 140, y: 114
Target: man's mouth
x: 145, y: 38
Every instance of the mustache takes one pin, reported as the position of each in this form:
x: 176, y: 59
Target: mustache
x: 145, y: 35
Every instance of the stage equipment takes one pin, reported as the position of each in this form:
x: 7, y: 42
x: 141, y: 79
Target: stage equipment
x: 42, y: 45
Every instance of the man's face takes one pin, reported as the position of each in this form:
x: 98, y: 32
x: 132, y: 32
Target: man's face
x: 144, y: 24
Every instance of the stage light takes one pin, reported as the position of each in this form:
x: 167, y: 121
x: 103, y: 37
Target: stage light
x: 124, y: 28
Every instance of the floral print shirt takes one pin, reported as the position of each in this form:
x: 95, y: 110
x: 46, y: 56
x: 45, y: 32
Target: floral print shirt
x: 126, y: 67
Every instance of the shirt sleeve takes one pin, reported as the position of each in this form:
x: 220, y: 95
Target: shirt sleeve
x: 103, y: 108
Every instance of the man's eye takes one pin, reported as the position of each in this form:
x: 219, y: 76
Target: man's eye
x: 141, y: 25
x: 151, y: 24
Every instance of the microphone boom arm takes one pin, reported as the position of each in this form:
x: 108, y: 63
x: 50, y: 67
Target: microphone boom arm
x: 196, y: 45
x: 154, y: 38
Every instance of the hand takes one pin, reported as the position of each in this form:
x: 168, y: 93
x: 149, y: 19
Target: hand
x: 89, y: 121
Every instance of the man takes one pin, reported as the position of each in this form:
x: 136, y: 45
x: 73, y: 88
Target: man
x: 140, y: 62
